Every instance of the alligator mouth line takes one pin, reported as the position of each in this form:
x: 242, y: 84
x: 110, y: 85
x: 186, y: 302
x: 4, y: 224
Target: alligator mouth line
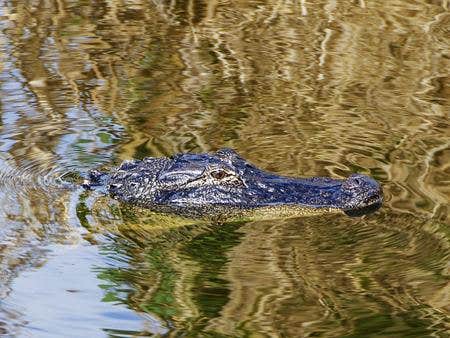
x: 371, y: 205
x: 281, y: 211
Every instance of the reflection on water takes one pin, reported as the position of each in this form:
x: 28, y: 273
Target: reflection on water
x: 300, y: 88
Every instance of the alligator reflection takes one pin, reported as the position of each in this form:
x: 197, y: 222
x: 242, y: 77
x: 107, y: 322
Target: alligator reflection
x: 306, y: 276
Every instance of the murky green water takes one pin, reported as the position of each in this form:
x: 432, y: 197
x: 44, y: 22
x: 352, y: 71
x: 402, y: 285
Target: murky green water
x: 297, y: 87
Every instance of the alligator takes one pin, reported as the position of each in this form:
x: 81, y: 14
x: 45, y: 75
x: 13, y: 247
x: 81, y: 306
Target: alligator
x: 222, y: 185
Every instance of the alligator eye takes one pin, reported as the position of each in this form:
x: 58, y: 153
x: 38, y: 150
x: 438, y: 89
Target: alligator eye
x: 219, y: 174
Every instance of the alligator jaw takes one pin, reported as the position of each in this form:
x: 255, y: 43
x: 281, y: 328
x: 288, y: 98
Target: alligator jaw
x: 357, y: 195
x: 368, y: 207
x: 363, y: 210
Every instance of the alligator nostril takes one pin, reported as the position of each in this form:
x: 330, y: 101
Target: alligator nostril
x: 355, y: 181
x: 358, y: 181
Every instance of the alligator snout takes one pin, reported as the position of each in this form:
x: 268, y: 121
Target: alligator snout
x: 364, y: 195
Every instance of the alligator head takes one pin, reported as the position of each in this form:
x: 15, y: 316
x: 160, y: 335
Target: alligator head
x: 223, y: 184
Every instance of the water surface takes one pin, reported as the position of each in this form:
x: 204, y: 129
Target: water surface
x: 297, y: 87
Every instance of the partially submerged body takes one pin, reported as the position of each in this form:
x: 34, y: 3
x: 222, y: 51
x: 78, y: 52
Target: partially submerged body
x: 223, y: 185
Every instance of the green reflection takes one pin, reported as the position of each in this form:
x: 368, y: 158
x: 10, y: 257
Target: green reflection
x: 158, y: 266
x: 209, y: 251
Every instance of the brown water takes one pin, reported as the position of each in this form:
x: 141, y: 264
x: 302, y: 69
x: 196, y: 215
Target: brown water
x: 297, y: 87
